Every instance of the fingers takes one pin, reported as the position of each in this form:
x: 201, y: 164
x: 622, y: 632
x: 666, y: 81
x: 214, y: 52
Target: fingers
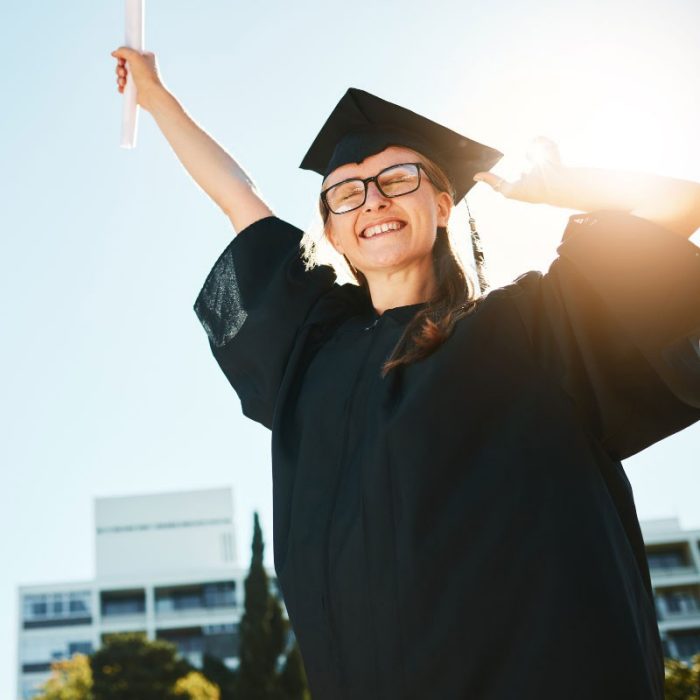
x: 543, y: 150
x: 121, y: 76
x: 495, y: 181
x: 122, y: 54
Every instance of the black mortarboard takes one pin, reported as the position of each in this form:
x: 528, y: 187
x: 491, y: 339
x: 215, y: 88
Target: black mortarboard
x: 362, y: 124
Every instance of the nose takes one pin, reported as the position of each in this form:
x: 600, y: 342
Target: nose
x: 375, y: 199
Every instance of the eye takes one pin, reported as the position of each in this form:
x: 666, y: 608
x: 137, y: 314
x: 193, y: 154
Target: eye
x: 348, y: 191
x: 398, y: 178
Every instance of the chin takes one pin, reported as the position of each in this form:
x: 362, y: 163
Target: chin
x: 393, y: 257
x: 385, y: 262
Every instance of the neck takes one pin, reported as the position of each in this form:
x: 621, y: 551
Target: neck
x: 391, y: 288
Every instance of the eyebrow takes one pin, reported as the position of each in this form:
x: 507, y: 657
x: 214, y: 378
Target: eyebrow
x: 325, y: 186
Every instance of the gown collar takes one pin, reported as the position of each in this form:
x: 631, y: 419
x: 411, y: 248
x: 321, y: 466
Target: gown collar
x: 399, y: 314
x: 402, y: 314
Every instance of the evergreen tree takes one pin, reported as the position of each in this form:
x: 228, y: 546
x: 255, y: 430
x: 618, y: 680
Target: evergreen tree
x: 263, y: 631
x: 217, y: 672
x: 292, y: 680
x: 129, y: 666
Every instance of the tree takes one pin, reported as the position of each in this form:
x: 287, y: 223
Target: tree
x: 70, y: 680
x: 292, y: 680
x: 682, y: 680
x: 263, y: 631
x: 194, y: 686
x: 217, y: 672
x: 130, y: 666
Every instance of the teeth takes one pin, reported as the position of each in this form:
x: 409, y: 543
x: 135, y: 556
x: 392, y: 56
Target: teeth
x: 381, y: 228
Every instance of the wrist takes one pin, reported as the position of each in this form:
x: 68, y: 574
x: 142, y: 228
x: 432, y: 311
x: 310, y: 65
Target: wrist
x: 156, y: 99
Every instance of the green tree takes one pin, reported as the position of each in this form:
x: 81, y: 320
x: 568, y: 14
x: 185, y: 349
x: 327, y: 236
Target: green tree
x: 194, y: 686
x: 292, y: 680
x: 70, y: 680
x: 682, y: 680
x: 217, y: 672
x: 130, y: 666
x: 263, y: 631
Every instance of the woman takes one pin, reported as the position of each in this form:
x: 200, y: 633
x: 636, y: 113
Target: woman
x: 451, y: 518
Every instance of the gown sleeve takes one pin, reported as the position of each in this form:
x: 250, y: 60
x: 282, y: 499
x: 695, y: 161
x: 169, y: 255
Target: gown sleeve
x: 616, y: 318
x: 252, y: 304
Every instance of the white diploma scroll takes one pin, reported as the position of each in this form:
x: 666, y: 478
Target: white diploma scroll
x: 134, y: 39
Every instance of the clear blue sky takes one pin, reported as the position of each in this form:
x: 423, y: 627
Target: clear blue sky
x: 108, y: 386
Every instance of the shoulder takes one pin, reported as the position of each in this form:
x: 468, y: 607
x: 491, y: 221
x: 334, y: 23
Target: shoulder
x: 520, y: 291
x: 338, y: 304
x: 270, y: 223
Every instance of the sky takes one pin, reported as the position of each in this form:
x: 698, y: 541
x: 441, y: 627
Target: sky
x: 108, y: 384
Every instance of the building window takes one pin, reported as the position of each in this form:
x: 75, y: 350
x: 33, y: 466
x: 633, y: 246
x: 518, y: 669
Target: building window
x: 219, y: 595
x: 36, y: 667
x: 220, y: 641
x: 78, y: 602
x: 662, y: 559
x: 687, y: 643
x: 126, y: 602
x: 215, y: 594
x: 56, y: 609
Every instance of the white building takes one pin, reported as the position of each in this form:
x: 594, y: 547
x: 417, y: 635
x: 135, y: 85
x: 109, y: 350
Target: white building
x: 674, y: 564
x: 166, y: 565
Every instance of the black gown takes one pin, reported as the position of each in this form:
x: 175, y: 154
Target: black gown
x: 463, y: 528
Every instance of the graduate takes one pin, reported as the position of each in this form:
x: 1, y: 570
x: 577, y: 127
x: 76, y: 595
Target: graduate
x: 451, y: 516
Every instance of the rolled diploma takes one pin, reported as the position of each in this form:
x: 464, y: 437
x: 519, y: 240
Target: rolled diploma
x: 134, y: 39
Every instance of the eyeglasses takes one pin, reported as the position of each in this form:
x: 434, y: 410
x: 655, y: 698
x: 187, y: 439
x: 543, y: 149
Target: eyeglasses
x: 394, y: 181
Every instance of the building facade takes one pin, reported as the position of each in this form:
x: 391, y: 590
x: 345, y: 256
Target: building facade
x: 166, y: 566
x: 674, y: 563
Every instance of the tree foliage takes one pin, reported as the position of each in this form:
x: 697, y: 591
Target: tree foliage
x: 292, y: 680
x: 129, y: 666
x: 217, y: 672
x: 194, y: 686
x: 263, y: 631
x: 70, y: 679
x: 682, y: 680
x: 264, y: 637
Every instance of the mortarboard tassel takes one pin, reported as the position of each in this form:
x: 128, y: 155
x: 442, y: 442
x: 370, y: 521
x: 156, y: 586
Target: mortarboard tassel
x: 477, y: 251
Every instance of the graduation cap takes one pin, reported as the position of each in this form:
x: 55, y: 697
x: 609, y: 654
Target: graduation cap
x: 362, y: 124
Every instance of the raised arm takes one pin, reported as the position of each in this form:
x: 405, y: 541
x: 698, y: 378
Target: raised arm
x: 669, y: 202
x: 210, y: 166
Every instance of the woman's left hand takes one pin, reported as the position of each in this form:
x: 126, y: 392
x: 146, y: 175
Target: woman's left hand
x: 671, y: 203
x: 541, y: 184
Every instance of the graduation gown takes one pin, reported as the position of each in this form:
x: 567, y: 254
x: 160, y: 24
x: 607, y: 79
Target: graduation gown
x: 463, y: 527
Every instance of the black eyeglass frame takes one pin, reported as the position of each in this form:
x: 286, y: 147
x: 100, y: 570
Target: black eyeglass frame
x: 365, y: 182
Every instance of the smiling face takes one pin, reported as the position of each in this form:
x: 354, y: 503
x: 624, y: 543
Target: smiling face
x: 388, y: 233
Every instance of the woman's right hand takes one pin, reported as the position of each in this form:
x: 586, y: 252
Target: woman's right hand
x: 143, y: 70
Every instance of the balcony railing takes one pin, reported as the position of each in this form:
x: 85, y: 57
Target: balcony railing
x: 668, y: 571
x: 179, y: 605
x: 687, y: 614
